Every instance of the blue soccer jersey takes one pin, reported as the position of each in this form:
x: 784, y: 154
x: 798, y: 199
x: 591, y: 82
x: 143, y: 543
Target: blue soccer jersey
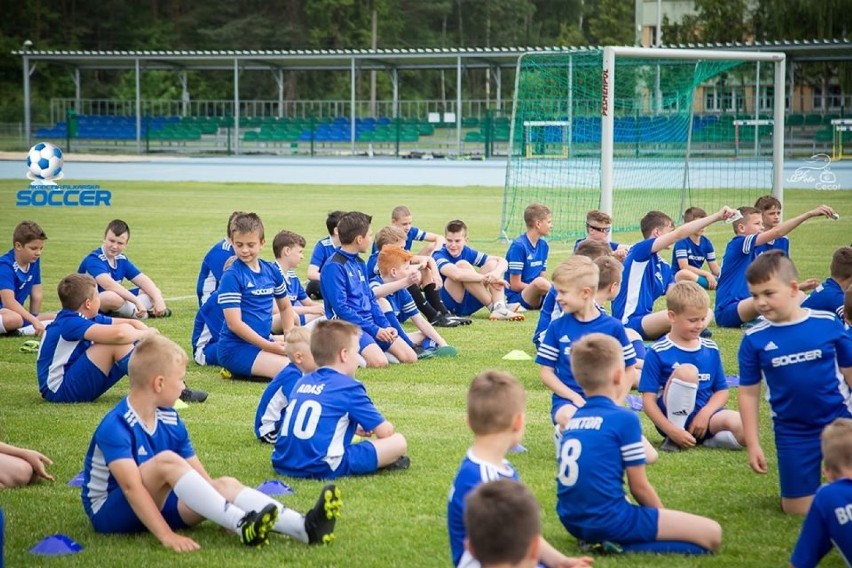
x: 323, y: 412
x: 827, y: 297
x: 373, y: 266
x: 13, y: 277
x: 646, y: 277
x: 600, y: 441
x: 97, y: 263
x: 295, y: 291
x: 212, y: 267
x: 695, y: 254
x: 474, y: 257
x: 401, y: 302
x: 799, y: 361
x: 781, y: 243
x: 323, y: 250
x: 527, y: 260
x: 121, y: 435
x: 209, y: 321
x: 829, y: 521
x: 62, y: 345
x: 471, y: 473
x: 550, y: 310
x: 664, y: 356
x: 273, y: 401
x: 347, y: 295
x: 733, y: 287
x: 253, y: 293
x: 555, y: 348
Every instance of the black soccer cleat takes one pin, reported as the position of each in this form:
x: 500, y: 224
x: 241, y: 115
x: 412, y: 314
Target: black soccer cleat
x: 193, y: 395
x: 401, y: 464
x: 604, y: 547
x: 256, y: 526
x: 320, y: 520
x: 444, y: 320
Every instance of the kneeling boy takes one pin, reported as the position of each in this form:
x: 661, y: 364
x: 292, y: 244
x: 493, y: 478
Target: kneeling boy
x: 141, y: 472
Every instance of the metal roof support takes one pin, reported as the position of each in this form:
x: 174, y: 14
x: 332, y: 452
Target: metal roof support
x: 77, y: 91
x: 236, y: 106
x: 279, y: 80
x: 184, y: 94
x: 352, y: 103
x: 498, y: 78
x: 138, y: 110
x: 395, y: 84
x: 458, y: 104
x: 27, y: 118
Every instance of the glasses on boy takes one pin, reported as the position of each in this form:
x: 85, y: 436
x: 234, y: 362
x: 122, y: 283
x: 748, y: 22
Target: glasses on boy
x: 604, y: 230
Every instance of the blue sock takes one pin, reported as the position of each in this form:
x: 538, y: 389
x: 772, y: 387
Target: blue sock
x: 639, y: 347
x: 665, y: 547
x: 398, y: 327
x: 702, y: 281
x: 428, y: 344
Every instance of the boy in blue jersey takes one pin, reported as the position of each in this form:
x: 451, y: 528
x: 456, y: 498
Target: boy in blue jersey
x: 734, y: 305
x: 829, y: 520
x: 495, y: 414
x: 527, y: 259
x: 805, y: 358
x: 246, y: 294
x: 327, y: 408
x: 602, y: 443
x: 503, y: 524
x: 647, y: 275
x: 109, y: 266
x: 323, y: 250
x: 599, y: 229
x: 213, y: 264
x: 84, y: 353
x: 401, y: 217
x: 828, y: 296
x: 395, y: 268
x: 576, y: 282
x: 347, y: 294
x: 691, y: 253
x: 141, y: 471
x: 467, y: 290
x: 273, y: 401
x: 209, y: 321
x: 683, y: 384
x: 770, y: 212
x: 288, y: 248
x: 20, y: 278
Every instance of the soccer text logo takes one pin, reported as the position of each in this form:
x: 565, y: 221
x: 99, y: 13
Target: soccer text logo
x: 44, y: 167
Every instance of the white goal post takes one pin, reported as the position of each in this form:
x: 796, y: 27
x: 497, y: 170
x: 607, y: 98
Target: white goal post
x: 608, y: 105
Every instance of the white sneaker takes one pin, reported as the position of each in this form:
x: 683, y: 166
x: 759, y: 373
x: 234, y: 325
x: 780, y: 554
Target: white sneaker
x: 516, y: 307
x: 557, y: 439
x: 724, y: 440
x: 502, y: 313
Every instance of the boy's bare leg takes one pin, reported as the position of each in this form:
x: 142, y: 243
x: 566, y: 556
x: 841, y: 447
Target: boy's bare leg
x: 374, y: 356
x: 686, y: 527
x: 9, y: 320
x: 746, y: 310
x: 656, y: 325
x: 535, y: 291
x: 400, y: 349
x: 104, y: 356
x: 389, y: 449
x: 797, y: 505
x: 268, y: 364
x: 14, y: 472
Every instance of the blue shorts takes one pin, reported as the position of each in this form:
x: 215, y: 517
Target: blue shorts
x: 237, y: 356
x: 358, y: 459
x: 366, y: 340
x: 629, y: 524
x: 116, y: 516
x: 466, y: 307
x: 728, y: 316
x: 302, y: 319
x: 207, y: 355
x: 557, y: 403
x: 799, y: 461
x: 85, y: 382
x: 635, y: 323
x: 518, y: 297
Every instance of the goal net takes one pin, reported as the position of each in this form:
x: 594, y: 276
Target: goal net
x: 656, y: 129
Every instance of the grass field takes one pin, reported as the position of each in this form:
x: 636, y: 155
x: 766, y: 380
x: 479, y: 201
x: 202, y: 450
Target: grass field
x: 390, y: 519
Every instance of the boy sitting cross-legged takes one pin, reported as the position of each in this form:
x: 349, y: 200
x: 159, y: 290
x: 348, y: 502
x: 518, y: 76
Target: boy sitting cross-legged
x: 395, y: 267
x: 83, y: 352
x: 273, y: 401
x: 327, y: 408
x: 288, y: 248
x: 600, y: 444
x: 828, y: 518
x: 683, y: 382
x: 20, y: 278
x: 691, y: 253
x: 141, y: 472
x: 466, y: 290
x: 805, y: 358
x: 347, y: 294
x: 527, y: 259
x: 496, y: 415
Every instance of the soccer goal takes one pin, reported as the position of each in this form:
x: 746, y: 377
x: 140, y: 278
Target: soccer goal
x: 628, y: 130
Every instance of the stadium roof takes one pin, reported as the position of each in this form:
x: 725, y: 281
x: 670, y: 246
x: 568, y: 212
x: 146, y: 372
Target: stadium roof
x: 421, y: 58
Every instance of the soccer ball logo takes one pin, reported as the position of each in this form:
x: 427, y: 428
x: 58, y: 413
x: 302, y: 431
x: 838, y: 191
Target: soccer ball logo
x: 44, y: 162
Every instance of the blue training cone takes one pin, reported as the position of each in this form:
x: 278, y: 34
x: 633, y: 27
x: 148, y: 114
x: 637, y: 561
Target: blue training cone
x: 56, y: 545
x: 275, y: 487
x: 635, y: 402
x: 76, y: 481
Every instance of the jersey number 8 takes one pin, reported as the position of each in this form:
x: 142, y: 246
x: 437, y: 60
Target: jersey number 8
x: 569, y: 470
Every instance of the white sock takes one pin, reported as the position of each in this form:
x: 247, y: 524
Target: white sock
x: 27, y: 330
x: 289, y: 521
x: 557, y: 439
x: 392, y: 358
x: 146, y: 301
x: 680, y: 401
x: 127, y: 310
x: 202, y: 498
x: 2, y: 328
x: 723, y: 439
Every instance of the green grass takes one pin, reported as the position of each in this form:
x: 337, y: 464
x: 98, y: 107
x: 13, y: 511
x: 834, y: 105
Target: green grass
x: 389, y: 520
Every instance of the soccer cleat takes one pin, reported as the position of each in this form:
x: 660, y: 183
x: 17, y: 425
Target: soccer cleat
x: 502, y: 313
x: 461, y: 319
x: 254, y: 527
x: 445, y: 321
x: 516, y: 307
x: 226, y: 374
x: 29, y: 346
x: 165, y: 314
x: 192, y: 395
x: 446, y: 351
x: 706, y: 333
x: 724, y: 440
x: 319, y: 522
x: 669, y: 446
x: 401, y: 464
x: 603, y: 547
